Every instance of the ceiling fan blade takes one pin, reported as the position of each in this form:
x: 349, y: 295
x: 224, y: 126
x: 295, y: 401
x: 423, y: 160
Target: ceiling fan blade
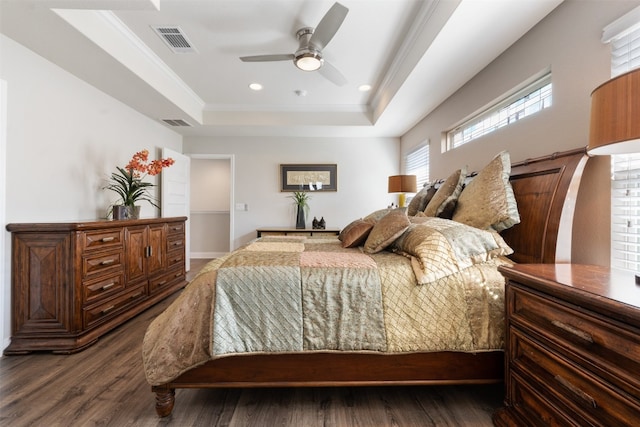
x: 328, y: 26
x: 266, y: 58
x: 332, y: 74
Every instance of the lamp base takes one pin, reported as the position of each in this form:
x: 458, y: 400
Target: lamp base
x: 402, y: 198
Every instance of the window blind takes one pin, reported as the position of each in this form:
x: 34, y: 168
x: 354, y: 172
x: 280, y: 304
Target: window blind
x: 624, y: 36
x: 417, y: 163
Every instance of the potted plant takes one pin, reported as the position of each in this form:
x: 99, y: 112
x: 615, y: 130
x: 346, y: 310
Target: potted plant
x: 128, y: 182
x: 301, y: 202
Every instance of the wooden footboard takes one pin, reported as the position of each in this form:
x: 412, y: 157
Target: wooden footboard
x: 336, y: 370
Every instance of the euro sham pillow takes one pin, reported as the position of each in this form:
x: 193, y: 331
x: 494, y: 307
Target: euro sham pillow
x: 488, y: 200
x: 420, y: 200
x: 444, y: 200
x: 386, y: 231
x: 356, y: 233
x: 441, y: 247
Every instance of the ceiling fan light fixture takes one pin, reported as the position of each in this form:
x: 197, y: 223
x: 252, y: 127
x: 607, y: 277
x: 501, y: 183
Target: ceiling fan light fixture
x: 308, y: 60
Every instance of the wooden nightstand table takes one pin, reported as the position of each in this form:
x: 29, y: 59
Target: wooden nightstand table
x: 284, y: 231
x: 572, y: 346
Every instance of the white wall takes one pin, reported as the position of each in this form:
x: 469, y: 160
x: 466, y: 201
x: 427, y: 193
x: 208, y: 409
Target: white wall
x: 64, y: 138
x: 568, y: 43
x: 363, y: 167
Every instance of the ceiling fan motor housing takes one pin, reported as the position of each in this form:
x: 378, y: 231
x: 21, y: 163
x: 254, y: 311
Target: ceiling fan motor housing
x: 307, y: 57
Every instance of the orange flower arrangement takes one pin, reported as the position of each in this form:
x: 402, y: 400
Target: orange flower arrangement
x: 128, y: 181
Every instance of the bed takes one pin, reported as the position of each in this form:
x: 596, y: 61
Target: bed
x: 359, y: 349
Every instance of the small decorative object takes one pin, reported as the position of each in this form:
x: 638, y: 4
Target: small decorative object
x: 301, y: 202
x: 314, y: 224
x: 322, y: 224
x: 129, y: 184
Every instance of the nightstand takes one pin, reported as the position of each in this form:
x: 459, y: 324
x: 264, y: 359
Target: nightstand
x: 572, y: 346
x: 285, y: 231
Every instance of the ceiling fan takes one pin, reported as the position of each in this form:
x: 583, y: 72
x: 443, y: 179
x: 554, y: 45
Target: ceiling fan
x: 311, y: 41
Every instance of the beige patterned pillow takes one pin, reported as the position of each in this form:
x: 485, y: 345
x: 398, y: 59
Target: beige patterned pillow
x: 386, y: 231
x: 420, y: 200
x: 488, y: 200
x: 356, y: 233
x: 445, y: 198
x: 441, y: 247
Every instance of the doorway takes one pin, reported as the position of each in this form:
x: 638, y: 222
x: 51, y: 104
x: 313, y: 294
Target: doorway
x: 211, y: 200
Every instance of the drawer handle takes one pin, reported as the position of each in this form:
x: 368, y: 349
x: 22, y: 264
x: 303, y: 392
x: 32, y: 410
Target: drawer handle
x: 108, y: 309
x: 108, y: 286
x: 107, y: 262
x: 177, y: 259
x: 108, y: 239
x: 572, y: 330
x: 575, y: 390
x: 178, y: 275
x: 162, y: 283
x: 177, y: 227
x: 136, y: 295
x: 177, y: 243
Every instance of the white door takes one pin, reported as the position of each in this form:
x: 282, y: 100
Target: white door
x: 174, y: 200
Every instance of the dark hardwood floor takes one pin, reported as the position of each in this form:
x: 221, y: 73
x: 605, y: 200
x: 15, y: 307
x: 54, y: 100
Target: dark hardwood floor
x: 104, y: 385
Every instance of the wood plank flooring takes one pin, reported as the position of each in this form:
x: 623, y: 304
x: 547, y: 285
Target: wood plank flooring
x: 105, y: 386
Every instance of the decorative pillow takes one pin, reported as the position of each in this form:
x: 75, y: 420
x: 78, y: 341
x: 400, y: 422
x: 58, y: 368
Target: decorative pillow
x: 488, y: 200
x: 356, y: 233
x: 441, y: 247
x: 444, y: 200
x: 377, y: 215
x: 386, y: 231
x: 420, y: 200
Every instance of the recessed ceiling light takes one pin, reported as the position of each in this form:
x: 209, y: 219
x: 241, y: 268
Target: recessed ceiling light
x: 255, y: 86
x: 364, y: 88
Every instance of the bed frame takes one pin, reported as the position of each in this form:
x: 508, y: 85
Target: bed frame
x: 545, y: 190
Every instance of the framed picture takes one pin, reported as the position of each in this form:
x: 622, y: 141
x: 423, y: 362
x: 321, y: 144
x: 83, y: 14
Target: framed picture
x: 308, y: 177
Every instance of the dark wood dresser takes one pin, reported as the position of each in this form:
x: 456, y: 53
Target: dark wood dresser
x: 73, y: 282
x: 572, y: 347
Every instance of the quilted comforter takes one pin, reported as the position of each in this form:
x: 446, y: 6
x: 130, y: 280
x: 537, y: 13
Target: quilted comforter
x: 302, y: 294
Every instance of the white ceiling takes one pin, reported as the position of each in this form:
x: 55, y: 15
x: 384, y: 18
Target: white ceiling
x: 414, y: 54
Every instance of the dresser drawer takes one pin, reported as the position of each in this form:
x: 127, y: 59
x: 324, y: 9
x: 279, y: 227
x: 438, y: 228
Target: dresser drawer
x: 101, y: 239
x: 97, y: 313
x: 94, y: 290
x: 589, y: 340
x: 101, y: 263
x: 568, y: 385
x: 175, y: 258
x: 175, y: 228
x: 165, y: 280
x: 175, y: 243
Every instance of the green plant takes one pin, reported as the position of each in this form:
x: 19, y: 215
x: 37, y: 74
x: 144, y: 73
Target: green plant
x: 301, y: 199
x: 128, y: 182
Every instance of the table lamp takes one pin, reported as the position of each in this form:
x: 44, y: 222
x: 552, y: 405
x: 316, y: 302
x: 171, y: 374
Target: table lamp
x: 402, y: 184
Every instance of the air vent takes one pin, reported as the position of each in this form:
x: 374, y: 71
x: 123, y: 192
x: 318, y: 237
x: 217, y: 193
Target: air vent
x: 175, y: 39
x: 176, y: 122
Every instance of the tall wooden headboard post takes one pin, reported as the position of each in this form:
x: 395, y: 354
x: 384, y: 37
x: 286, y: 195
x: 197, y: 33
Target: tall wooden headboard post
x: 546, y: 190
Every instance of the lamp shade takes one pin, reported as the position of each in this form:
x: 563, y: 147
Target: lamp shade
x: 402, y: 184
x: 615, y: 116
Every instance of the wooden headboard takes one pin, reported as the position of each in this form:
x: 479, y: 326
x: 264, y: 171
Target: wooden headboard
x: 545, y: 189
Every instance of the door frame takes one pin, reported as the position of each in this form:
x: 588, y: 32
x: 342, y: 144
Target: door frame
x: 232, y: 180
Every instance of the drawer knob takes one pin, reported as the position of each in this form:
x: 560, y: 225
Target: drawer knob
x: 108, y: 285
x: 575, y: 390
x: 573, y: 330
x: 108, y: 239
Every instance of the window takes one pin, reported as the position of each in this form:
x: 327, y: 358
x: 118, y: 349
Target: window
x: 519, y: 105
x: 624, y: 37
x: 417, y: 163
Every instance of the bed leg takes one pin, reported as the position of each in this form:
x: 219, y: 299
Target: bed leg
x: 165, y: 399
